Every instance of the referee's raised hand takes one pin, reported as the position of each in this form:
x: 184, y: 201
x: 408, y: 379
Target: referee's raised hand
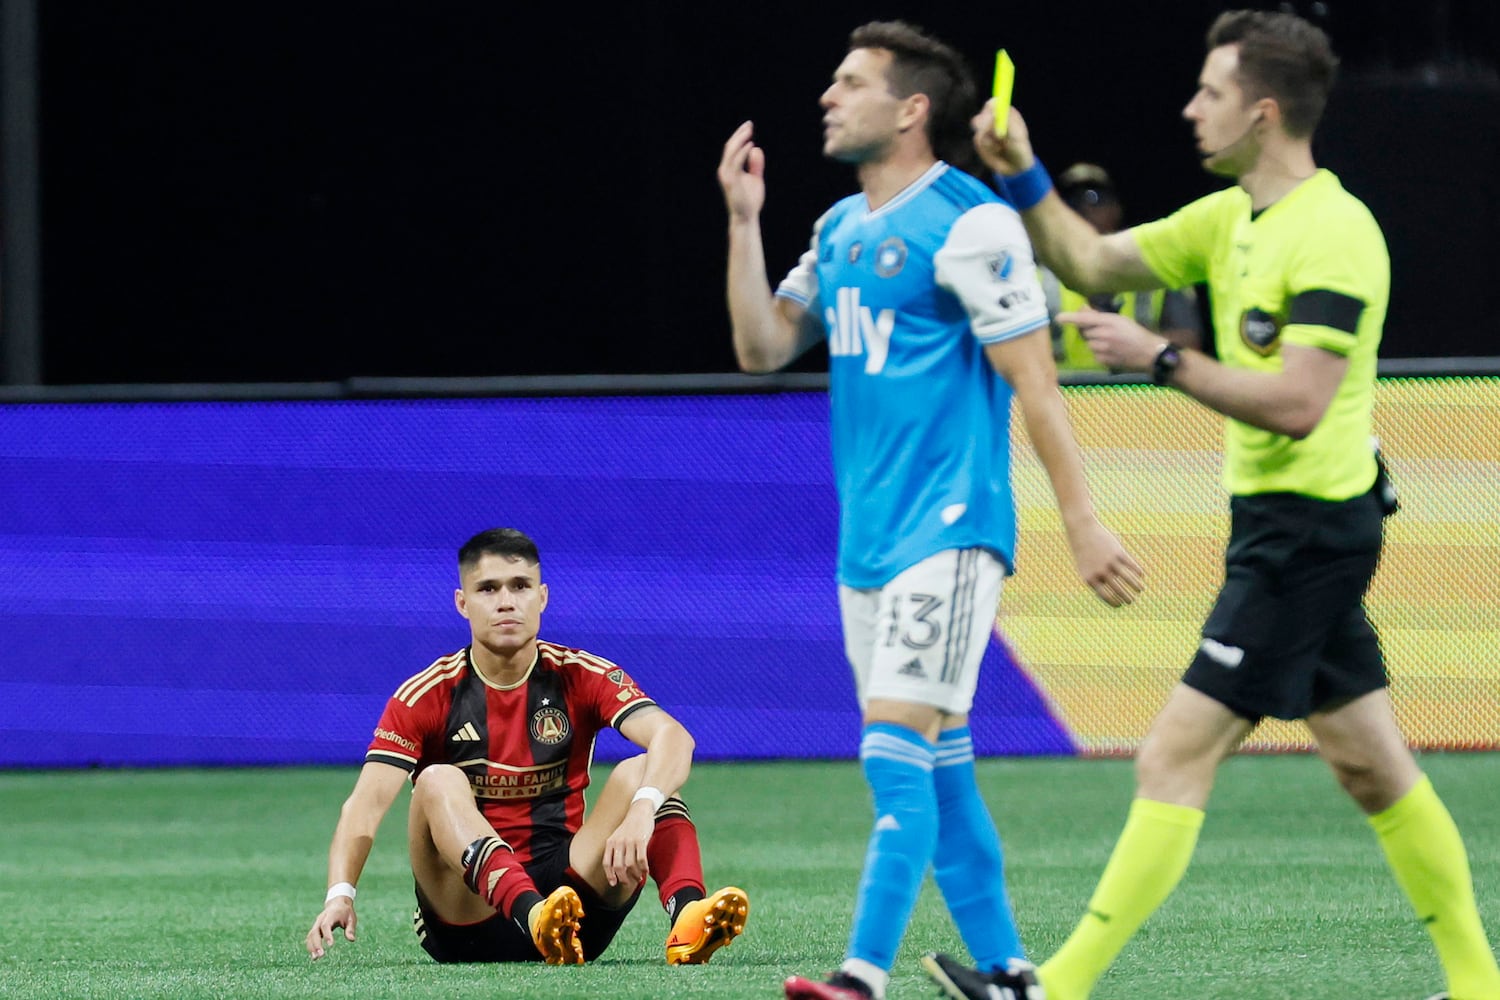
x: 1007, y: 154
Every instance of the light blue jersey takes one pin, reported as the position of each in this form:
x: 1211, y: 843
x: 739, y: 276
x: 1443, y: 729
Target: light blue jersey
x: 910, y: 294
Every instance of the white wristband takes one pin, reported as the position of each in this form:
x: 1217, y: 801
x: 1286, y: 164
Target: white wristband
x: 340, y: 889
x: 651, y: 794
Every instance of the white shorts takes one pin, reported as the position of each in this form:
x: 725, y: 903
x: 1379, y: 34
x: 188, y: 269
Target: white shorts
x: 920, y: 637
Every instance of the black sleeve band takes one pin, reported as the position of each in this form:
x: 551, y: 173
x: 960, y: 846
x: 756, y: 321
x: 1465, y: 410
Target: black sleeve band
x: 644, y: 703
x: 1321, y: 307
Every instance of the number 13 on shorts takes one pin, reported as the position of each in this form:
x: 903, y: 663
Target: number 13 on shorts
x: 921, y: 637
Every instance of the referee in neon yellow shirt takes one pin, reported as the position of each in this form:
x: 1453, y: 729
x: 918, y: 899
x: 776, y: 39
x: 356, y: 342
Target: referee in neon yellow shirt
x: 1298, y: 277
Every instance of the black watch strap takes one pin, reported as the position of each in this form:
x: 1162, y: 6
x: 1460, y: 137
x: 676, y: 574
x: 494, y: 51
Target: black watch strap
x: 1165, y: 365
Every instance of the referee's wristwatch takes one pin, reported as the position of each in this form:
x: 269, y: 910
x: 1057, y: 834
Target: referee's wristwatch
x: 1165, y: 365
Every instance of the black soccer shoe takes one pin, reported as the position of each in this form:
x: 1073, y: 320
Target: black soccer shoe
x: 959, y: 982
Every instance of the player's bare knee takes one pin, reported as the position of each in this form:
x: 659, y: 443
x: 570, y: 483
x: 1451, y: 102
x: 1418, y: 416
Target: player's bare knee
x: 1359, y: 783
x: 437, y: 781
x: 1155, y: 763
x: 628, y: 773
x: 1164, y: 775
x: 1151, y: 770
x: 1371, y: 786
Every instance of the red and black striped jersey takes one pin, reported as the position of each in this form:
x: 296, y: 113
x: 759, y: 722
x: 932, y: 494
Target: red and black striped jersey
x: 526, y: 748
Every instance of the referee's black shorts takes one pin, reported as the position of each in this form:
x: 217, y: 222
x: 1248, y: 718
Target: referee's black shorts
x: 500, y: 939
x: 1288, y: 635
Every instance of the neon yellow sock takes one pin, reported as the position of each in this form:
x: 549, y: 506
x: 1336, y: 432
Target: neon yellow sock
x: 1148, y: 861
x: 1424, y: 849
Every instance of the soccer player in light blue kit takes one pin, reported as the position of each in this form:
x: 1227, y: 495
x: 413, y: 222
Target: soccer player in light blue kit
x: 924, y: 285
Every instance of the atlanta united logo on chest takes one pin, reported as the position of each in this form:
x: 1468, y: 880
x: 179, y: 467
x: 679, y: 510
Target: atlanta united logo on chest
x: 549, y: 726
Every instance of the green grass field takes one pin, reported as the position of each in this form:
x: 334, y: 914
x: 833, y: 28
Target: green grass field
x: 202, y: 883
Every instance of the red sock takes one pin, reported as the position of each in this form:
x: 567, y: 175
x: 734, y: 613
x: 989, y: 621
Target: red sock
x: 673, y: 853
x: 492, y: 870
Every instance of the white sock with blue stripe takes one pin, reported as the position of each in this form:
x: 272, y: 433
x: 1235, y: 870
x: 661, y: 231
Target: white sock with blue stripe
x: 898, y: 765
x: 970, y: 866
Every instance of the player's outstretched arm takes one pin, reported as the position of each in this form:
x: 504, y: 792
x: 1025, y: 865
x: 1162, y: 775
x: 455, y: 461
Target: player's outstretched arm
x: 769, y: 332
x: 360, y: 817
x: 1026, y: 363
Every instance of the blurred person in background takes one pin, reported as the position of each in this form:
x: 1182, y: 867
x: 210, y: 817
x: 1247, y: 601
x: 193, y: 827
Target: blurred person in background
x: 1090, y: 191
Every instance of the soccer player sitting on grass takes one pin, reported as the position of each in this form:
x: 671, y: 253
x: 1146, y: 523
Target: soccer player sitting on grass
x: 497, y: 739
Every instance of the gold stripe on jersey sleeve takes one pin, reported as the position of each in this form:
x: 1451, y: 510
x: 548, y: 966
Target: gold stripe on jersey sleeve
x: 596, y: 664
x: 445, y: 669
x: 439, y: 666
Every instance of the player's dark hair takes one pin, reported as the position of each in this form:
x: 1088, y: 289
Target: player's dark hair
x: 507, y: 542
x: 1282, y: 56
x: 921, y: 64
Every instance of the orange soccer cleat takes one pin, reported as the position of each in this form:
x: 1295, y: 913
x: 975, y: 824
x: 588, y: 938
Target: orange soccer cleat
x: 554, y: 927
x: 706, y: 925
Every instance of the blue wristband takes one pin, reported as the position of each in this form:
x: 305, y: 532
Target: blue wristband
x: 1026, y: 189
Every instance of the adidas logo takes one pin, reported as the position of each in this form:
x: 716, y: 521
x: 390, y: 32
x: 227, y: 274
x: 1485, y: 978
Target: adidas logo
x: 912, y: 668
x: 887, y: 822
x: 468, y: 734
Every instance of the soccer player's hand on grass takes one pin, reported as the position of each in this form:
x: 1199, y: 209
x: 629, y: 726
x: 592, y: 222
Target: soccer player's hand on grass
x: 1008, y: 154
x: 1111, y: 573
x: 338, y: 913
x: 625, y: 850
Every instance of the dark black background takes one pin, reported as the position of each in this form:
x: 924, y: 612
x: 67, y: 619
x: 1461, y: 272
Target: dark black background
x: 314, y: 191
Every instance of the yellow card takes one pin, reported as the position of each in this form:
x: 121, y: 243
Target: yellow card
x: 1005, y: 78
